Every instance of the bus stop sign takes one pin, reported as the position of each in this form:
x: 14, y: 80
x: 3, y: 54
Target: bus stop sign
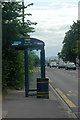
x: 27, y: 43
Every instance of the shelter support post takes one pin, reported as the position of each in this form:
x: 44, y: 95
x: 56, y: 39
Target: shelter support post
x: 26, y: 73
x: 42, y: 63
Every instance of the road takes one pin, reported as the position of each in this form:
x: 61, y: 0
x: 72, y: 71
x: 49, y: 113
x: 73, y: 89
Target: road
x: 65, y: 82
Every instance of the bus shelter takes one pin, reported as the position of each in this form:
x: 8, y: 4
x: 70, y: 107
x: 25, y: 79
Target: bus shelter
x: 31, y: 44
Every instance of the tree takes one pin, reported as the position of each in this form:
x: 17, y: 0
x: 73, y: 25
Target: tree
x: 70, y: 41
x: 12, y: 29
x: 77, y: 49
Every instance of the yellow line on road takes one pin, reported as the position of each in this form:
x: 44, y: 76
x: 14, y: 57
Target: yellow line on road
x: 49, y: 78
x: 68, y: 94
x: 65, y: 98
x: 69, y: 91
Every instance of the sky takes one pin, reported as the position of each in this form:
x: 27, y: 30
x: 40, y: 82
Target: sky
x: 54, y: 18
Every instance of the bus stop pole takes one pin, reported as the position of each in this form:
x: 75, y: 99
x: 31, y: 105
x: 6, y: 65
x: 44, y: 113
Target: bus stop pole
x: 26, y: 73
x: 42, y: 63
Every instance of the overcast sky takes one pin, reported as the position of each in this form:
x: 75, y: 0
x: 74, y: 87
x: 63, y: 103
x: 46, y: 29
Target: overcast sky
x: 54, y: 18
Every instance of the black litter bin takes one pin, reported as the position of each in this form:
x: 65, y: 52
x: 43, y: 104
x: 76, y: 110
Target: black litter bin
x: 43, y: 88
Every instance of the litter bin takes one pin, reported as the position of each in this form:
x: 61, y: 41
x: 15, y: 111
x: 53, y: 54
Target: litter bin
x: 43, y: 88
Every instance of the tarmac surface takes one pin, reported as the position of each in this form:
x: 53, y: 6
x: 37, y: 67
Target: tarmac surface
x: 16, y: 105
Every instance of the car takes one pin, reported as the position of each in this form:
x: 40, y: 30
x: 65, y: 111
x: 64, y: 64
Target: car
x: 53, y: 64
x: 61, y: 65
x: 70, y: 65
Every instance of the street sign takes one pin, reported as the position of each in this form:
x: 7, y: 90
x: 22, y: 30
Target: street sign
x: 64, y: 55
x: 27, y: 42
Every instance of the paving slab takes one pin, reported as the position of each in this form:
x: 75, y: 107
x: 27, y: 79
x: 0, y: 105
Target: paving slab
x: 16, y: 105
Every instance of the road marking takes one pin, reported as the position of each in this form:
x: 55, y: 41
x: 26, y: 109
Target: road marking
x: 66, y: 99
x: 68, y: 94
x: 69, y: 91
x: 72, y: 93
x: 49, y: 79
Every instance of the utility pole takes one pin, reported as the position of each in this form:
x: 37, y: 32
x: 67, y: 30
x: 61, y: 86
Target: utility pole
x: 26, y: 60
x: 23, y: 11
x: 79, y: 10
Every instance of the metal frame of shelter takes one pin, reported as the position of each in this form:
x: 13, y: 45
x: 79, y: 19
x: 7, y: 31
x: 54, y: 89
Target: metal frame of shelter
x: 33, y: 44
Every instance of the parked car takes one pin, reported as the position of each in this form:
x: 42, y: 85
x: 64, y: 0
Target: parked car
x: 70, y: 65
x: 61, y: 65
x: 53, y: 64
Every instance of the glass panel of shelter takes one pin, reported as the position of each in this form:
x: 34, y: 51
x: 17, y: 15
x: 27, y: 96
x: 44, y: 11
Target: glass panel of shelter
x: 34, y: 62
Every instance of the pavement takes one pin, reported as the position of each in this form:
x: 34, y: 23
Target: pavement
x: 16, y: 105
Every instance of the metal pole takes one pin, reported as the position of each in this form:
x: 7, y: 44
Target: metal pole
x: 26, y: 73
x: 23, y: 11
x: 26, y: 61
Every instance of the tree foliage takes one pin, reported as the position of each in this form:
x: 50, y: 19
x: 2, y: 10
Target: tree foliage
x: 71, y: 42
x: 34, y: 60
x: 12, y: 29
